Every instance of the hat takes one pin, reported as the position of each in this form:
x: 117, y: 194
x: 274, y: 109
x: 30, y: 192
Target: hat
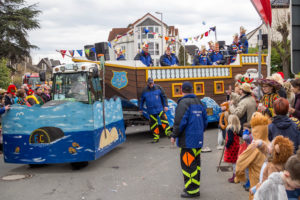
x: 269, y: 82
x: 235, y: 35
x: 2, y: 91
x: 242, y: 29
x: 30, y: 92
x: 187, y: 87
x: 150, y: 80
x: 145, y: 45
x: 12, y: 89
x: 246, y: 87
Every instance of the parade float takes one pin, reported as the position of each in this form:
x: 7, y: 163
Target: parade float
x: 78, y: 125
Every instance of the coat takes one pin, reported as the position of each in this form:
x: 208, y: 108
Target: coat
x: 190, y: 122
x: 155, y: 99
x: 145, y: 58
x: 245, y: 108
x: 282, y: 125
x: 297, y: 106
x: 166, y: 60
x: 272, y: 189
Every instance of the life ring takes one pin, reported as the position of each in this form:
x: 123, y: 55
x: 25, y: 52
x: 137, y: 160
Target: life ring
x: 222, y: 117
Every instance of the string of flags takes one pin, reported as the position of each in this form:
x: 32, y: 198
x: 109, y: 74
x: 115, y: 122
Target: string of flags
x: 79, y: 52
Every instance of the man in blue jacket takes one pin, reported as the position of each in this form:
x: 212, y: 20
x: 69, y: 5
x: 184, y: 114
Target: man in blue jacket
x: 217, y: 57
x: 168, y: 59
x: 243, y: 41
x: 157, y: 105
x: 202, y: 58
x: 189, y: 126
x: 145, y: 56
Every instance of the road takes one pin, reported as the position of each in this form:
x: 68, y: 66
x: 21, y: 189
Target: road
x: 136, y: 170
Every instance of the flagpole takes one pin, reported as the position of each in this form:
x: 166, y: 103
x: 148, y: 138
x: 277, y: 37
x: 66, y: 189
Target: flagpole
x: 216, y: 34
x: 269, y: 51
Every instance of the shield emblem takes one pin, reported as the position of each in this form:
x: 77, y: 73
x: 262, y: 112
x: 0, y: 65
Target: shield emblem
x: 119, y: 79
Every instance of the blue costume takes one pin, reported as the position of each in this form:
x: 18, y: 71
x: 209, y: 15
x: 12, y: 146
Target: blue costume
x: 243, y: 42
x: 121, y: 57
x: 202, y: 60
x: 166, y: 60
x: 145, y: 58
x: 217, y: 56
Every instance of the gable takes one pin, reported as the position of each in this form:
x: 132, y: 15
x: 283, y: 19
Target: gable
x: 149, y: 22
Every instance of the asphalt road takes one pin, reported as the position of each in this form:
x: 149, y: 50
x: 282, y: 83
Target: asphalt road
x: 136, y: 170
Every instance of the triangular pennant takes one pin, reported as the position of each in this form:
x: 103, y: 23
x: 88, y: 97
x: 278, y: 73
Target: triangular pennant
x: 185, y: 39
x: 206, y: 33
x: 213, y: 28
x: 71, y: 52
x: 79, y: 52
x: 109, y: 44
x: 201, y: 36
x: 146, y: 30
x: 167, y: 38
x: 63, y: 53
x: 93, y: 49
x: 87, y: 52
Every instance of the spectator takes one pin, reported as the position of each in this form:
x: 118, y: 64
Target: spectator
x: 10, y: 95
x: 38, y: 95
x: 278, y: 77
x: 295, y: 110
x: 46, y: 94
x: 168, y: 59
x: 269, y: 88
x: 243, y: 41
x: 21, y: 97
x: 274, y: 188
x: 289, y: 93
x: 119, y: 54
x: 32, y: 100
x: 145, y: 56
x: 282, y: 124
x: 246, y: 106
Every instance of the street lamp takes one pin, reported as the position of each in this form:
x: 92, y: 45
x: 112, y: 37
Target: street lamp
x: 162, y: 33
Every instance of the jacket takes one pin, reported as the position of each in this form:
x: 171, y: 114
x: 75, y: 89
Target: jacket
x: 272, y: 189
x: 243, y: 43
x: 145, y: 58
x: 245, y: 108
x: 166, y: 60
x: 155, y: 99
x: 8, y: 101
x: 2, y: 110
x: 217, y: 56
x: 190, y: 122
x: 202, y: 60
x: 282, y: 125
x: 297, y: 106
x: 121, y: 57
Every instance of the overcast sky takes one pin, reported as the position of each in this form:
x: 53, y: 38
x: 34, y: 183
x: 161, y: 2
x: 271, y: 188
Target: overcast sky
x: 71, y: 24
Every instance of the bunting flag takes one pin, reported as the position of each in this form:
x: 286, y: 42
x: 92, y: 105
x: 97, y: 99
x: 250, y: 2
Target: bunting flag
x: 109, y: 44
x: 204, y: 23
x: 63, y: 53
x: 79, y: 52
x: 93, y: 49
x: 201, y: 36
x: 87, y: 52
x: 71, y: 52
x: 146, y: 30
x: 213, y: 28
x: 167, y: 38
x: 186, y: 40
x: 206, y: 34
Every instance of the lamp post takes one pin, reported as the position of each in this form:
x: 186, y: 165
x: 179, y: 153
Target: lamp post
x: 162, y: 33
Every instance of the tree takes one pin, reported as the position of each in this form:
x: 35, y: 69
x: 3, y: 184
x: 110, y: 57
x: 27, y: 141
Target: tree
x: 181, y: 56
x: 4, y: 74
x: 16, y: 19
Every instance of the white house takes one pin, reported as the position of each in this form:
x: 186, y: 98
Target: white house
x: 131, y: 39
x: 280, y: 13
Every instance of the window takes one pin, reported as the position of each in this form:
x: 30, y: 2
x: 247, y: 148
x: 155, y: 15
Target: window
x: 156, y: 48
x: 219, y: 87
x: 199, y: 88
x: 123, y: 51
x: 176, y: 90
x: 150, y: 35
x: 156, y: 29
x: 151, y: 48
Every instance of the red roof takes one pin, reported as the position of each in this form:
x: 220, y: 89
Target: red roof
x: 117, y: 31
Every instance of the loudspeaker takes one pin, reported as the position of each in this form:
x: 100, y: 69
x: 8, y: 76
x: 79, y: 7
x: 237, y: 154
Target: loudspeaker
x: 91, y: 55
x: 264, y: 38
x: 221, y: 45
x: 295, y: 40
x: 102, y: 48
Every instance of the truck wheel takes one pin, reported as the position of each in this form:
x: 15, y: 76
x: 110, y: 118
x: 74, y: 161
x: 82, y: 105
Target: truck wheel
x: 79, y: 165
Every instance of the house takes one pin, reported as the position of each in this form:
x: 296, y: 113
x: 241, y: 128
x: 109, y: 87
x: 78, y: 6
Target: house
x: 47, y: 65
x: 131, y: 38
x: 280, y: 13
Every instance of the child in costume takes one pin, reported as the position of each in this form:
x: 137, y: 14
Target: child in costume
x: 232, y: 143
x: 275, y: 187
x: 252, y: 158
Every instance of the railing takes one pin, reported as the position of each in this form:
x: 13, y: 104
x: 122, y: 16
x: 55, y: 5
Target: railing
x: 189, y: 73
x: 252, y: 59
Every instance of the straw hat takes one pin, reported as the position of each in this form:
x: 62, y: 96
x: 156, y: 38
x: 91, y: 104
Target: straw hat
x: 269, y: 82
x: 246, y: 87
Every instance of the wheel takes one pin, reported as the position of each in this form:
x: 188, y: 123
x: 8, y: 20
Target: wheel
x: 79, y: 165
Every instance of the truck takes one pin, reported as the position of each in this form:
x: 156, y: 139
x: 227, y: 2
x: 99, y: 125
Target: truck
x: 32, y: 80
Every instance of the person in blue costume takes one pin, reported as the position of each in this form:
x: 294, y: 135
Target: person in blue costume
x: 202, y: 58
x: 243, y: 41
x: 168, y: 59
x: 234, y: 48
x: 119, y: 54
x: 216, y: 58
x: 145, y: 56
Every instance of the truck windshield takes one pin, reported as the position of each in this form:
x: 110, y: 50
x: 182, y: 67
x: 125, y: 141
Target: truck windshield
x: 71, y: 86
x: 34, y: 81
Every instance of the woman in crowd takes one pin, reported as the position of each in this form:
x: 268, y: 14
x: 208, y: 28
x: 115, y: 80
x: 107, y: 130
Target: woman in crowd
x: 295, y: 110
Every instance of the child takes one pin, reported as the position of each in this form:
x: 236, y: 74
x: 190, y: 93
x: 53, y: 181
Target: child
x: 274, y: 188
x: 232, y: 143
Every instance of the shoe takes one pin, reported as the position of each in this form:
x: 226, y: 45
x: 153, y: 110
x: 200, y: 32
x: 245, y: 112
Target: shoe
x: 154, y: 141
x: 231, y: 180
x: 186, y: 195
x: 206, y: 149
x: 247, y: 185
x: 220, y: 147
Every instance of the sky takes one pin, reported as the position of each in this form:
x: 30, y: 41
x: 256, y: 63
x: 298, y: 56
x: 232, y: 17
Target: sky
x: 71, y: 24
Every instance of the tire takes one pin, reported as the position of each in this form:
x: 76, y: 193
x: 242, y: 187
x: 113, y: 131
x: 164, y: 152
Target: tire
x: 79, y: 165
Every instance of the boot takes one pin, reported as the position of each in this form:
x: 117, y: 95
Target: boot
x: 231, y: 180
x: 186, y: 195
x: 247, y: 185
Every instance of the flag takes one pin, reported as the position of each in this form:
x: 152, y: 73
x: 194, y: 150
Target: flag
x: 263, y: 8
x: 167, y: 38
x: 109, y: 44
x: 63, y: 53
x: 213, y: 28
x: 146, y: 30
x: 201, y: 36
x: 71, y: 52
x: 87, y: 52
x: 185, y: 39
x: 79, y: 52
x: 206, y: 34
x: 196, y: 38
x: 204, y: 23
x: 93, y: 49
